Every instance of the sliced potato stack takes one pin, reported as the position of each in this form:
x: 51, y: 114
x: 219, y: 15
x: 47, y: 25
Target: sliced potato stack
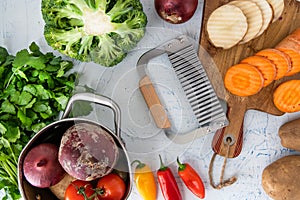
x: 254, y: 18
x: 278, y: 7
x: 255, y: 72
x: 226, y: 25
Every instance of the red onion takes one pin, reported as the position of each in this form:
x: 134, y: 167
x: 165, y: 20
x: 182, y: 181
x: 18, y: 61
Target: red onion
x: 176, y: 11
x: 41, y: 167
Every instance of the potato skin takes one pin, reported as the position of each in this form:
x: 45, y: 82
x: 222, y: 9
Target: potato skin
x: 289, y: 134
x: 59, y: 189
x: 281, y: 179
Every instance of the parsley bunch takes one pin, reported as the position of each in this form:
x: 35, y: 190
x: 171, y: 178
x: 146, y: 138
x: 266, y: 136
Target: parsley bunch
x: 34, y: 88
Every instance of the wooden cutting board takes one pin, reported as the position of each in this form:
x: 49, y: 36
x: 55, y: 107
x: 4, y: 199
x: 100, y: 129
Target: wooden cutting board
x: 237, y: 106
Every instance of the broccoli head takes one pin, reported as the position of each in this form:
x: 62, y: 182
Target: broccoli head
x: 101, y: 31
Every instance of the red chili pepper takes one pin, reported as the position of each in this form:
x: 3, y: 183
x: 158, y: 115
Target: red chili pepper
x: 191, y: 179
x: 168, y: 183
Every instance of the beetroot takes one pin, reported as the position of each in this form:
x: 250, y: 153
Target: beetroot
x: 87, y: 152
x: 41, y: 167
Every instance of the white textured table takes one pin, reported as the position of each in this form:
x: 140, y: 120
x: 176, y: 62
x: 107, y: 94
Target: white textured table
x: 21, y: 23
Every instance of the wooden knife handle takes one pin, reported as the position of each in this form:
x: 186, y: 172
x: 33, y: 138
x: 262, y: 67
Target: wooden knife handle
x: 233, y: 133
x: 157, y: 110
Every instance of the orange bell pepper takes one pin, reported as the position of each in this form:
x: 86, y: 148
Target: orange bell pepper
x: 145, y: 181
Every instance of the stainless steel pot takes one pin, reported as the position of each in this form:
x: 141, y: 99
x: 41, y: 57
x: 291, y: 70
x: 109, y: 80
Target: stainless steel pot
x: 53, y: 134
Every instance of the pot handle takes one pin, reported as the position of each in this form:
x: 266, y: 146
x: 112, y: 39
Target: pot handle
x: 98, y: 99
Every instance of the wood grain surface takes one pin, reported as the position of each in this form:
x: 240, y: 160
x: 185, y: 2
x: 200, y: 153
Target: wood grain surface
x: 223, y: 59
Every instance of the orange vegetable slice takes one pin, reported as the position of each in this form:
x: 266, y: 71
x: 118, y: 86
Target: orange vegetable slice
x: 265, y: 66
x: 243, y: 80
x: 281, y: 61
x: 295, y: 59
x: 286, y: 97
x: 292, y: 41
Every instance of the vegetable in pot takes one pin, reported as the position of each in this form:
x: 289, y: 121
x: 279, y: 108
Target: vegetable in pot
x: 145, y: 181
x: 110, y: 187
x: 168, y: 183
x: 60, y: 188
x: 87, y: 152
x: 79, y: 190
x: 191, y: 179
x: 101, y: 31
x: 41, y: 167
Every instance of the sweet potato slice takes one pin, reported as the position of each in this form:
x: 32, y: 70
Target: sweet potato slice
x: 296, y: 34
x: 295, y: 60
x: 278, y: 7
x: 254, y: 18
x: 286, y: 97
x: 265, y: 66
x: 289, y: 43
x: 281, y: 60
x: 243, y: 80
x: 292, y: 41
x: 226, y: 26
x: 267, y: 14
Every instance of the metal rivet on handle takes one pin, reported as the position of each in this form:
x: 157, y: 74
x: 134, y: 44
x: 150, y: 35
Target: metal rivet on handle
x: 229, y: 139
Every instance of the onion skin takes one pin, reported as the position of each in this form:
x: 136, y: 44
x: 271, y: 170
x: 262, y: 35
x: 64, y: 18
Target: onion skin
x: 41, y: 167
x: 175, y: 11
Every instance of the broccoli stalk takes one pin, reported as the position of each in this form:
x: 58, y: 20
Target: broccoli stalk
x: 101, y: 31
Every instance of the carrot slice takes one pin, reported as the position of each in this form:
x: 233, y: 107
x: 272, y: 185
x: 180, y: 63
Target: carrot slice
x: 286, y: 97
x: 265, y: 66
x: 281, y: 60
x: 243, y: 80
x: 295, y: 59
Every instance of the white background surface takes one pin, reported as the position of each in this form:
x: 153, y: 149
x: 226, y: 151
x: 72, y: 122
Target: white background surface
x: 21, y: 23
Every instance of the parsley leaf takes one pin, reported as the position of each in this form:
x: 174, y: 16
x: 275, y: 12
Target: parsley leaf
x: 34, y: 88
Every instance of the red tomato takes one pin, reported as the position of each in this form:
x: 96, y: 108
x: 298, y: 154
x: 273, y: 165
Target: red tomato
x: 111, y: 187
x: 77, y: 190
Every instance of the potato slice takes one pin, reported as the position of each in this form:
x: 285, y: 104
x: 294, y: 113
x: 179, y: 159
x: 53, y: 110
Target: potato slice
x: 267, y: 14
x: 254, y: 18
x: 226, y: 26
x: 278, y: 7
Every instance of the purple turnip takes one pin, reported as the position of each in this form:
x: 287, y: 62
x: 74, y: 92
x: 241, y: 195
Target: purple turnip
x: 175, y: 11
x: 87, y: 152
x: 41, y: 167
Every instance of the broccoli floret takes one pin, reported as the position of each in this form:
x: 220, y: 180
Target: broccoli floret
x: 101, y: 31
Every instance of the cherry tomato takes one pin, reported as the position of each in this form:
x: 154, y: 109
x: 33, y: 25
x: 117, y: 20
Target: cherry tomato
x: 78, y: 190
x: 111, y: 187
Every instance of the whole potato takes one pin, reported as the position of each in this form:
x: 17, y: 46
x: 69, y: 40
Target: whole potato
x: 281, y: 179
x: 289, y: 134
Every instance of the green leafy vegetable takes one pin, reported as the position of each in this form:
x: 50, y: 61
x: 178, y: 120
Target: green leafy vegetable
x: 102, y: 31
x: 34, y: 88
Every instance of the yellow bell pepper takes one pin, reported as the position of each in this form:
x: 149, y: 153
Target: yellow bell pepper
x: 145, y: 181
